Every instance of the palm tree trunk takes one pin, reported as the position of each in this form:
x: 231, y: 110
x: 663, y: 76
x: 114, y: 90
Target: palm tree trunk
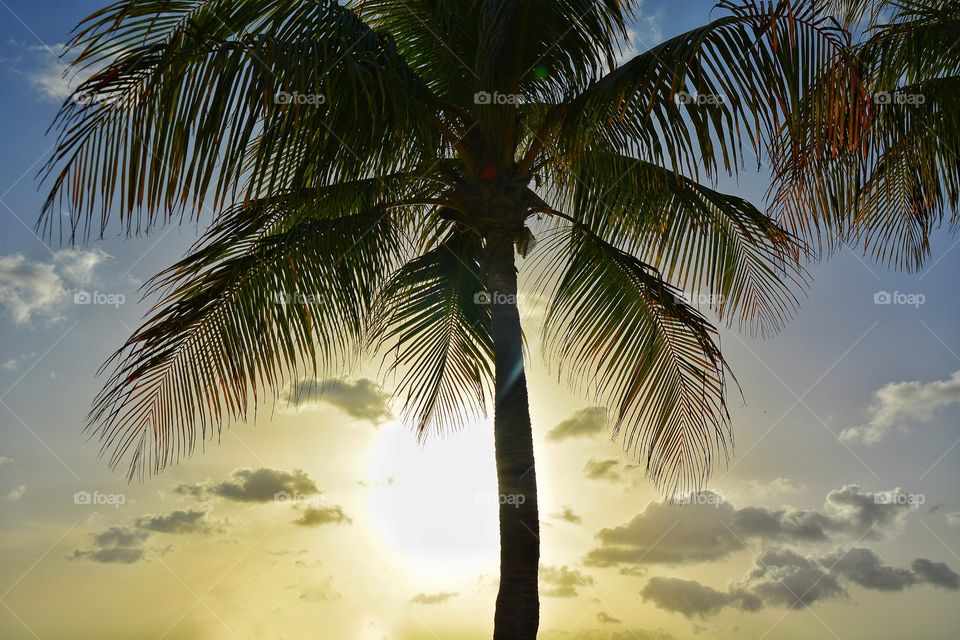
x: 518, y: 606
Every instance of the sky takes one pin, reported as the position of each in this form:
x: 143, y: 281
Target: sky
x: 326, y: 518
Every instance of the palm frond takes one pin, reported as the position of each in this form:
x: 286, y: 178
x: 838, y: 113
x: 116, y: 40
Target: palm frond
x: 277, y: 287
x: 616, y: 329
x: 706, y: 242
x: 185, y: 87
x: 431, y: 321
x: 707, y: 99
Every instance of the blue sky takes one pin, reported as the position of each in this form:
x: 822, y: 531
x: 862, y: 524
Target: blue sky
x: 804, y: 393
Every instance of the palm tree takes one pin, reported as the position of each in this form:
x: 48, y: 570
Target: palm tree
x: 374, y: 167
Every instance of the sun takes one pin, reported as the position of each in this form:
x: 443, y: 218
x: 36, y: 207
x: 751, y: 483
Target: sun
x: 435, y: 506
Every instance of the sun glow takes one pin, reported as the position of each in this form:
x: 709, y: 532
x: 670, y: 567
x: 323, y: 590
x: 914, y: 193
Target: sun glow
x: 435, y: 506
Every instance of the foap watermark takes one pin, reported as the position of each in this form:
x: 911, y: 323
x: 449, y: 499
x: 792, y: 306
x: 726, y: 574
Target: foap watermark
x: 512, y: 499
x: 96, y: 499
x: 296, y: 297
x: 698, y: 99
x: 486, y: 97
x: 485, y: 297
x: 293, y: 497
x: 99, y: 298
x: 702, y: 498
x: 285, y: 98
x: 699, y: 298
x: 898, y: 98
x: 899, y: 298
x: 90, y: 99
x: 898, y: 497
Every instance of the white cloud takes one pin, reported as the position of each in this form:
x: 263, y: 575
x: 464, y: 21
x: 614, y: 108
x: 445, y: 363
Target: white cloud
x: 16, y: 493
x: 50, y: 75
x: 899, y: 406
x: 78, y: 266
x: 31, y: 289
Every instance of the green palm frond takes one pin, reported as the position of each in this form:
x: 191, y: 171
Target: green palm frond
x: 893, y: 190
x: 188, y: 86
x: 616, y: 329
x: 701, y: 240
x: 747, y: 70
x: 431, y: 320
x: 277, y: 287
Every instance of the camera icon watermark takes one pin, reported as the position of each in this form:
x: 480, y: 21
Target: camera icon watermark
x: 284, y: 298
x: 514, y: 500
x: 487, y: 298
x: 698, y: 99
x: 86, y: 498
x: 99, y: 298
x: 899, y: 98
x: 285, y: 98
x: 898, y: 497
x: 294, y: 498
x: 486, y: 97
x: 700, y: 498
x: 898, y: 298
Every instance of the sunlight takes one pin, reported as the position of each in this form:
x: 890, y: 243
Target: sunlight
x: 439, y: 514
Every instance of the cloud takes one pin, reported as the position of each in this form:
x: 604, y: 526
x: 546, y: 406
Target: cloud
x: 864, y: 567
x: 898, y: 406
x: 783, y: 578
x: 602, y: 470
x: 177, y: 522
x: 319, y: 516
x: 433, y: 598
x: 605, y: 618
x: 116, y: 545
x: 582, y: 424
x: 29, y: 289
x: 16, y: 493
x: 32, y: 289
x: 567, y: 515
x: 254, y: 485
x: 936, y: 574
x: 561, y: 582
x: 5, y: 461
x: 690, y: 598
x: 953, y: 518
x: 361, y: 399
x: 711, y: 529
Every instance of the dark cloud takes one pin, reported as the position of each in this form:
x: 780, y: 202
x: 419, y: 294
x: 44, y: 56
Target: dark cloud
x: 668, y: 534
x: 567, y: 515
x: 864, y: 567
x: 783, y: 578
x: 605, y: 618
x: 936, y: 573
x: 561, y: 582
x: 118, y: 545
x: 690, y: 598
x: 602, y: 470
x: 322, y: 515
x: 584, y: 423
x: 178, y: 521
x: 255, y: 485
x: 710, y: 529
x: 361, y: 399
x: 433, y: 598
